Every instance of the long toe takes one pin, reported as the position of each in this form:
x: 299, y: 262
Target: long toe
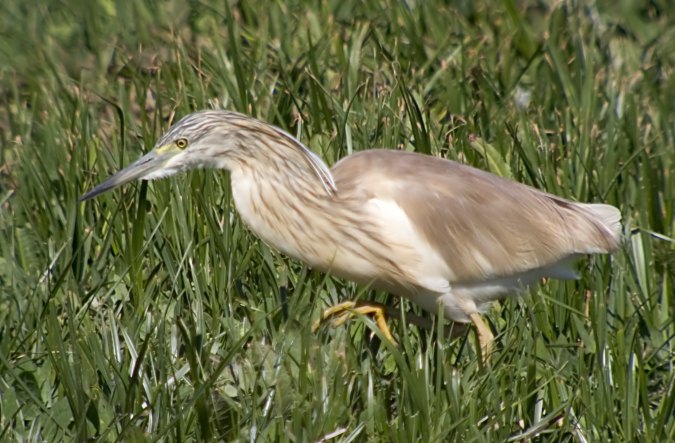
x: 335, y: 313
x: 485, y: 337
x: 342, y: 312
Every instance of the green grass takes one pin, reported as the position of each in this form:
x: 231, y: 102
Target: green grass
x: 151, y: 313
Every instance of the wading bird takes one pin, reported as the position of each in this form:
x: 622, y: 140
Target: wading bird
x: 442, y: 234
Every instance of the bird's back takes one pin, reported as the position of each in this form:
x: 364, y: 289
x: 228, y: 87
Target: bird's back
x: 481, y: 226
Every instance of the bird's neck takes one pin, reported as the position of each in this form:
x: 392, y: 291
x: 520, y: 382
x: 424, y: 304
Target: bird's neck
x: 287, y: 208
x: 297, y: 216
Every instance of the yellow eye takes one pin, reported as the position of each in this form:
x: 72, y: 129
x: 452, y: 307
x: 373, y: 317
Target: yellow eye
x: 181, y: 143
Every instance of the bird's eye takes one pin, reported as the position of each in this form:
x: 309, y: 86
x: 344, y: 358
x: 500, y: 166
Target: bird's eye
x: 181, y: 143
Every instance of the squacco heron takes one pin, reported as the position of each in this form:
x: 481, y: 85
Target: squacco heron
x: 444, y: 235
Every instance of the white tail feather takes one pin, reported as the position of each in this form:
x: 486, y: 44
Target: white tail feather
x: 608, y: 216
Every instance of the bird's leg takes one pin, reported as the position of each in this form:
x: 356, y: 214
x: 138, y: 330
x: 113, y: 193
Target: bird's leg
x: 341, y: 312
x: 485, y: 337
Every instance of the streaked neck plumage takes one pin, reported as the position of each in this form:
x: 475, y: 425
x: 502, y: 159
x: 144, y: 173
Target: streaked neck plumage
x: 288, y: 198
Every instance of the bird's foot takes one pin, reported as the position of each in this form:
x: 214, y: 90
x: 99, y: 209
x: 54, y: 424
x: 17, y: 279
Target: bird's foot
x: 340, y: 313
x: 485, y: 338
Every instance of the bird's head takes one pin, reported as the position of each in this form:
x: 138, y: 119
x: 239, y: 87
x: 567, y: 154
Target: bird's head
x: 200, y: 140
x: 221, y: 140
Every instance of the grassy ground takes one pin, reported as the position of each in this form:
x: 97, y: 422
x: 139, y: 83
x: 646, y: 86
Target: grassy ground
x: 152, y: 314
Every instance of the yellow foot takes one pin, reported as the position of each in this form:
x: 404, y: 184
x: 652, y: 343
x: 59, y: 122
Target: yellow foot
x: 342, y: 312
x: 485, y: 337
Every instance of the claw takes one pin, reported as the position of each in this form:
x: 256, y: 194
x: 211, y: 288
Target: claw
x: 342, y: 312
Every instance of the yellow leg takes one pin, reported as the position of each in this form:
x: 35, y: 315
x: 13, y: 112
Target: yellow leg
x: 342, y: 312
x: 485, y: 337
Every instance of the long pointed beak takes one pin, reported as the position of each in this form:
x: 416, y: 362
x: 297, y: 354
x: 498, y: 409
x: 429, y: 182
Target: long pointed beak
x: 141, y: 168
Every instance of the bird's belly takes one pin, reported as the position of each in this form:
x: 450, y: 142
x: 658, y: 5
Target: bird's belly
x: 464, y: 298
x: 385, y: 253
x: 429, y: 281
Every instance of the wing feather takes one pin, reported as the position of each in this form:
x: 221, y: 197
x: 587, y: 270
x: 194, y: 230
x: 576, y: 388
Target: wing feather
x: 483, y: 226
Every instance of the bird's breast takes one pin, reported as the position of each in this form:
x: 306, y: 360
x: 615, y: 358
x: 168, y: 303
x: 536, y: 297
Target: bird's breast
x: 263, y: 211
x: 371, y: 241
x: 298, y: 225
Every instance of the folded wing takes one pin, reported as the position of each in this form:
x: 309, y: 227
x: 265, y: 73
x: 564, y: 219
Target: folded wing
x: 482, y: 225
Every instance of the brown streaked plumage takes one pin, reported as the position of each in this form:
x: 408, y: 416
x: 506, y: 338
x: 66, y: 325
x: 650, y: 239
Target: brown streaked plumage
x: 442, y: 234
